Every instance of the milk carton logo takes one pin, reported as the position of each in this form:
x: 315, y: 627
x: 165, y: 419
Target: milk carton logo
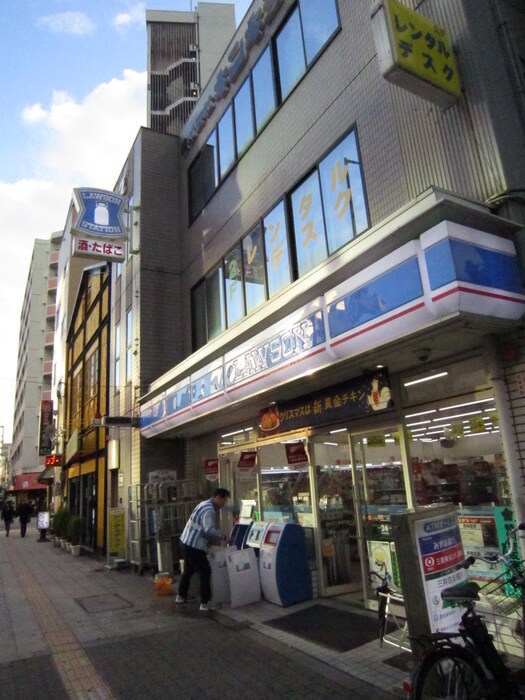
x: 99, y: 213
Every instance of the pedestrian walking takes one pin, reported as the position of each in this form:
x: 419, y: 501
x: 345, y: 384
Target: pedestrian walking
x: 8, y: 515
x: 200, y: 530
x: 24, y: 511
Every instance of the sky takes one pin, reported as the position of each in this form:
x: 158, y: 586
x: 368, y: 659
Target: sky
x: 73, y: 99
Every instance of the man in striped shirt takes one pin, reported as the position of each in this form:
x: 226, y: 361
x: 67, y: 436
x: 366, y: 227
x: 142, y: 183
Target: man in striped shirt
x: 200, y: 529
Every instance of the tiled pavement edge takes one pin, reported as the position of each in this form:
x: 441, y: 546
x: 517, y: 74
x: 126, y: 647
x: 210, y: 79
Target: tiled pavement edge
x: 71, y: 628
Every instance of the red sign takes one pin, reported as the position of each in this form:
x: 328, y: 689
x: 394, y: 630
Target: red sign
x: 295, y: 453
x: 211, y: 469
x: 247, y: 460
x: 54, y: 461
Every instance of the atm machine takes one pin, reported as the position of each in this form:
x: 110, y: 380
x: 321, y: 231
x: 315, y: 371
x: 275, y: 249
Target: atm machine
x: 255, y: 535
x: 283, y: 564
x: 241, y: 529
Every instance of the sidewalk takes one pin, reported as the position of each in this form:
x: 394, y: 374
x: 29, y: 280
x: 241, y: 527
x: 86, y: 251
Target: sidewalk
x: 72, y: 628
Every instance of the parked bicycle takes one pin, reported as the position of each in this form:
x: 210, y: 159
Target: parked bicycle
x: 466, y: 665
x: 387, y: 594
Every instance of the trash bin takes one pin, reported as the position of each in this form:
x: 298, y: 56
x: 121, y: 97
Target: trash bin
x: 163, y: 584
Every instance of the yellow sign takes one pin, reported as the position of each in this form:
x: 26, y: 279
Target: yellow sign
x: 116, y: 532
x: 415, y: 53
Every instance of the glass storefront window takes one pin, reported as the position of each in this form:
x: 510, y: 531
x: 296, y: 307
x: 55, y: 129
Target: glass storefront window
x: 457, y: 455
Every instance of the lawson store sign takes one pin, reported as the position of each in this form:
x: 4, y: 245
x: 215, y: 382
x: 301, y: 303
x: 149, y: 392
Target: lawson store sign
x: 450, y: 270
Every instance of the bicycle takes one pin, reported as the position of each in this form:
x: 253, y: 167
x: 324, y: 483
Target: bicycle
x: 466, y: 665
x: 386, y: 594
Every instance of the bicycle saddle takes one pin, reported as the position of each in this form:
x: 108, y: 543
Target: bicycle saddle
x: 468, y: 590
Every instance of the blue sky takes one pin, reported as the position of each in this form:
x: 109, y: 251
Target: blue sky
x: 73, y: 98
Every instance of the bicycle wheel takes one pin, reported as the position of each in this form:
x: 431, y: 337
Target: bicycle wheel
x: 450, y: 673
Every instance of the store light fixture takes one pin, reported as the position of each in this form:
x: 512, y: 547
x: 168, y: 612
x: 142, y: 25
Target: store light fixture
x: 237, y: 432
x: 428, y: 378
x: 419, y: 422
x: 339, y: 430
x: 464, y: 405
x: 421, y: 413
x: 334, y: 444
x: 457, y: 415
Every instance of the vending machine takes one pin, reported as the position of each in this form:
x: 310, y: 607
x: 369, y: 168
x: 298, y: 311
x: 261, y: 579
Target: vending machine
x: 283, y: 565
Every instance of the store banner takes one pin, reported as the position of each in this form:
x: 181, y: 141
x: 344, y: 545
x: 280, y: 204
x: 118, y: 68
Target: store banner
x: 358, y: 397
x: 211, y: 469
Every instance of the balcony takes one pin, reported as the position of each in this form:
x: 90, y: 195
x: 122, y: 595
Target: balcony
x: 51, y: 310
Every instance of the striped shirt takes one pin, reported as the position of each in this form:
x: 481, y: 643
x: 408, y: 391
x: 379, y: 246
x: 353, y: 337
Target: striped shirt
x: 201, y: 526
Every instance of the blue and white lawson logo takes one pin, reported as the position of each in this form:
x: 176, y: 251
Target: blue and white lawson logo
x: 99, y: 213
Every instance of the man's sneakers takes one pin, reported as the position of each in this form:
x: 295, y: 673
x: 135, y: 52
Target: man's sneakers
x: 204, y: 607
x: 185, y: 599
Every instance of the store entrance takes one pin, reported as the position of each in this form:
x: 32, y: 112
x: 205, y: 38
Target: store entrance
x: 340, y: 567
x: 380, y: 492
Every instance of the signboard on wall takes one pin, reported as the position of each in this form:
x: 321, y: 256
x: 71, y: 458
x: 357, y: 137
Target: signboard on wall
x: 415, y: 53
x: 211, y: 469
x: 116, y: 532
x: 47, y: 428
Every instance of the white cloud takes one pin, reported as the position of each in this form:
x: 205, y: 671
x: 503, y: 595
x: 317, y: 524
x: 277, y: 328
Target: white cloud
x: 75, y: 23
x: 72, y: 144
x: 135, y: 15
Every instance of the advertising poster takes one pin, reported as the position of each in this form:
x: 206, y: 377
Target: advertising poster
x: 116, y: 532
x: 480, y: 539
x: 439, y: 550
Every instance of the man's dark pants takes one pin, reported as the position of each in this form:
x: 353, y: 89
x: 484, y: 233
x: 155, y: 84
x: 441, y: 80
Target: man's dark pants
x: 196, y: 561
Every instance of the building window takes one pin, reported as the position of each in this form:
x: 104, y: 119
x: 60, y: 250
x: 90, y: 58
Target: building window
x: 226, y: 142
x: 117, y: 357
x: 305, y: 33
x: 129, y: 344
x: 199, y: 316
x: 343, y: 193
x: 290, y: 54
x: 263, y: 89
x: 234, y: 289
x: 254, y: 273
x: 307, y: 211
x: 319, y: 22
x: 203, y: 177
x: 215, y: 303
x: 244, y: 129
x: 278, y: 269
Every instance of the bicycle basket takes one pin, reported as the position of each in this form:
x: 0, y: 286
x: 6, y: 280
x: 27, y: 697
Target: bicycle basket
x: 503, y: 594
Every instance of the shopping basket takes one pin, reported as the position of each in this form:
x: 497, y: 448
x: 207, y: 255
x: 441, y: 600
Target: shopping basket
x: 504, y: 593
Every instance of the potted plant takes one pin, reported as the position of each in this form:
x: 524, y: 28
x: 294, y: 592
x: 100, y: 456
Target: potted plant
x: 76, y: 526
x: 60, y: 524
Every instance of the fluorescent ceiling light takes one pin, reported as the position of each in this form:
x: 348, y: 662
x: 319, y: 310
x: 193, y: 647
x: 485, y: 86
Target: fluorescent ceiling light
x: 458, y: 415
x: 335, y: 444
x: 462, y: 405
x: 339, y: 430
x: 423, y: 413
x: 419, y: 422
x: 429, y: 378
x: 237, y: 432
